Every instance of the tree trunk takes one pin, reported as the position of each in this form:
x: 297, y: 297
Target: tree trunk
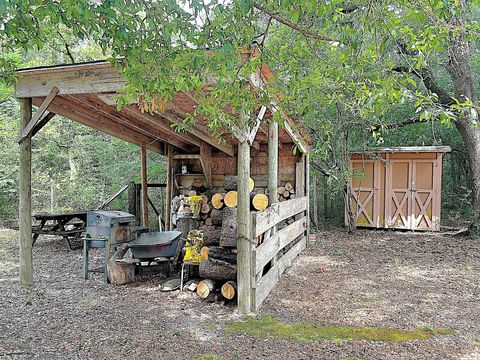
x: 229, y: 228
x: 464, y: 85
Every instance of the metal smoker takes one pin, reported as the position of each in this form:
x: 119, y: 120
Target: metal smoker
x: 106, y: 230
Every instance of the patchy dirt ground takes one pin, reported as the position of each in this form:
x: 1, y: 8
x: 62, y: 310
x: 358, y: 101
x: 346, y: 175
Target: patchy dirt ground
x: 373, y: 278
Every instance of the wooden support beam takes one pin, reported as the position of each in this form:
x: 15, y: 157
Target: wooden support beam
x: 272, y: 162
x: 95, y: 120
x: 307, y: 191
x: 253, y: 132
x: 25, y: 195
x: 169, y: 190
x: 42, y: 123
x: 206, y: 162
x: 41, y: 110
x: 72, y: 79
x: 245, y: 254
x: 143, y: 156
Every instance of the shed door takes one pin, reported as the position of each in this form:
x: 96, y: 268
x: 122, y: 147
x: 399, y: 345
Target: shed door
x: 423, y: 194
x: 365, y: 200
x: 398, y: 194
x: 411, y: 195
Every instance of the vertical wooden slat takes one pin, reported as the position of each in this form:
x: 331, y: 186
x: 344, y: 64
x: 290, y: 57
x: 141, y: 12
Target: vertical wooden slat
x: 437, y: 186
x: 244, y: 234
x: 307, y: 192
x: 25, y: 195
x: 143, y: 155
x: 272, y: 162
x: 169, y: 189
x: 315, y: 200
x: 388, y: 191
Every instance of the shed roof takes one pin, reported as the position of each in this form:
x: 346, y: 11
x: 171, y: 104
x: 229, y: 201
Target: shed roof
x: 405, y: 149
x: 86, y: 94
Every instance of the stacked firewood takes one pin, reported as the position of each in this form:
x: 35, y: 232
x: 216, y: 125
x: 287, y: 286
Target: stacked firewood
x: 219, y: 225
x: 286, y: 192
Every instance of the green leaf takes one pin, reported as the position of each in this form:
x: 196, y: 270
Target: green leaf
x: 295, y: 16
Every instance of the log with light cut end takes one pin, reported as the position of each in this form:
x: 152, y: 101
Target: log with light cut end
x: 288, y: 187
x: 217, y: 270
x: 192, y: 193
x: 229, y: 228
x: 229, y: 289
x: 204, y: 199
x: 281, y: 198
x: 205, y: 288
x: 205, y: 209
x: 259, y: 202
x: 217, y: 201
x: 216, y: 216
x: 208, y: 221
x: 286, y: 194
x: 230, y: 199
x: 280, y: 190
x: 204, y: 252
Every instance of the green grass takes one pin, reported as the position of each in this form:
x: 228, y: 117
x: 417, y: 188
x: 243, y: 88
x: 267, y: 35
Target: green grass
x: 210, y: 357
x: 269, y: 327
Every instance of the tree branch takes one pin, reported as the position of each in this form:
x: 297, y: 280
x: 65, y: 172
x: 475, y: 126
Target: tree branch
x: 425, y: 74
x: 293, y: 26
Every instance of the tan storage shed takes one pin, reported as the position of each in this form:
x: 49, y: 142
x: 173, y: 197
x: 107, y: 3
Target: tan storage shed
x: 398, y: 188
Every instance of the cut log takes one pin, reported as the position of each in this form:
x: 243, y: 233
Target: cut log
x: 218, y: 253
x: 192, y: 193
x: 217, y: 270
x: 211, y: 234
x: 204, y: 288
x: 286, y: 194
x: 229, y: 289
x: 204, y: 252
x: 120, y: 272
x: 216, y: 217
x: 217, y: 200
x: 280, y: 190
x: 197, y: 183
x: 259, y: 201
x: 204, y: 199
x: 229, y: 228
x: 230, y: 183
x: 208, y: 221
x: 230, y: 199
x: 205, y: 209
x: 281, y: 198
x: 288, y: 187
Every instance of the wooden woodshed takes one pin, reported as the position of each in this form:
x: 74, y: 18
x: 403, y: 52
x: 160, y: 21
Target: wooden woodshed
x: 397, y: 188
x: 266, y: 242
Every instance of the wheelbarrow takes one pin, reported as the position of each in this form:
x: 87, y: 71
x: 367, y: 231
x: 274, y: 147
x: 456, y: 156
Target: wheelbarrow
x: 151, y: 245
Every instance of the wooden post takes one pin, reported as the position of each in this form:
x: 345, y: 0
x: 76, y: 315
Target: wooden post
x: 272, y: 163
x: 315, y: 200
x: 169, y: 190
x: 131, y: 198
x: 143, y: 155
x: 244, y: 240
x: 307, y: 192
x: 25, y: 195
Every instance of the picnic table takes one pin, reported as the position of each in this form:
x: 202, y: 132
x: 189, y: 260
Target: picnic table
x: 67, y: 225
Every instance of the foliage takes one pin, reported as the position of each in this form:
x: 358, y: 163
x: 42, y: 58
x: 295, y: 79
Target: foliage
x: 351, y: 70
